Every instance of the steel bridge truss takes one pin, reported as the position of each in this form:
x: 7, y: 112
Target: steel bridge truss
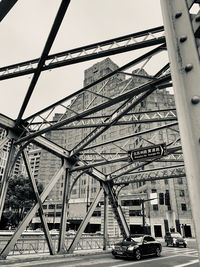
x: 90, y: 152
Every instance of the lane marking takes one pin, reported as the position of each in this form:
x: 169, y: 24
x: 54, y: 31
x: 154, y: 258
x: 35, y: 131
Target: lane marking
x: 187, y: 263
x: 144, y: 261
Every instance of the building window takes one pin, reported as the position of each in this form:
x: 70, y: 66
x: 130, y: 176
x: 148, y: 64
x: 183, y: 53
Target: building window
x: 97, y: 213
x: 51, y: 214
x: 155, y: 207
x: 135, y: 213
x: 180, y: 180
x: 181, y: 193
x: 51, y: 206
x: 183, y: 207
x: 131, y: 202
x: 74, y: 192
x: 59, y: 206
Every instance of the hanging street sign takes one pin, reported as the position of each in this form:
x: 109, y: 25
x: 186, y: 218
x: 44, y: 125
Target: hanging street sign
x: 147, y: 152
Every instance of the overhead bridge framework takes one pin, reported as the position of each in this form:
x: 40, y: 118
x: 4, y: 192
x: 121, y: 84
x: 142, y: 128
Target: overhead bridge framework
x: 181, y: 35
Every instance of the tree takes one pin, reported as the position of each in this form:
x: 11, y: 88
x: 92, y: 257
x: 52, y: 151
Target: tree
x: 19, y: 199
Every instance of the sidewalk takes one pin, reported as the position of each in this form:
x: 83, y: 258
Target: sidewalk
x: 45, y: 256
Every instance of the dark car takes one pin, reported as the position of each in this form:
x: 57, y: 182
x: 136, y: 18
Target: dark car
x: 175, y: 239
x: 137, y: 246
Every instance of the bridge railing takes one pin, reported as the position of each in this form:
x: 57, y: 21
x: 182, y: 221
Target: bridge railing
x: 27, y: 245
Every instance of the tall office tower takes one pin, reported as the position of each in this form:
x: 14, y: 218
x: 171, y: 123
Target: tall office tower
x: 174, y: 212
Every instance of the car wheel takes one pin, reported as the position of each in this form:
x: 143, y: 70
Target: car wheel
x: 158, y: 251
x: 138, y: 254
x: 185, y: 246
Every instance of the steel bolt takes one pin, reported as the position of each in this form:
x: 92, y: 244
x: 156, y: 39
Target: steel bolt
x: 183, y: 39
x: 188, y: 67
x: 178, y: 15
x: 195, y: 99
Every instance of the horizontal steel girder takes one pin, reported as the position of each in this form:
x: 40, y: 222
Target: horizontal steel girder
x: 118, y: 45
x: 152, y: 175
x: 130, y: 118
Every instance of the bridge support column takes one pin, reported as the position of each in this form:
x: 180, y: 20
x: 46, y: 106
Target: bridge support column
x: 182, y: 36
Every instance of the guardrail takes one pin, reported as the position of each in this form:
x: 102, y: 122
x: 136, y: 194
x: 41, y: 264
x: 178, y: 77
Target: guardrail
x: 38, y: 244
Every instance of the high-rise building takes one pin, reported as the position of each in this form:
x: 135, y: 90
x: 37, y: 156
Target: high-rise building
x: 175, y: 212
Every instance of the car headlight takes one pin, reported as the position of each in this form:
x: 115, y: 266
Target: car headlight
x: 185, y: 241
x: 174, y: 240
x: 131, y: 248
x: 112, y: 247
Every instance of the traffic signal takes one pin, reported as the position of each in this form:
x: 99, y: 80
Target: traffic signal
x: 161, y: 198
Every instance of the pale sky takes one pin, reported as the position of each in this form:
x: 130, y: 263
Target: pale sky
x: 25, y: 29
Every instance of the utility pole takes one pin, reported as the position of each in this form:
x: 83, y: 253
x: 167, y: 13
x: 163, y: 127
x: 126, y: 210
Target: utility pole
x: 143, y: 214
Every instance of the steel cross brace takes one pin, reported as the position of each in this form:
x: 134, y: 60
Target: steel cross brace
x: 9, y: 246
x: 101, y: 106
x: 38, y: 200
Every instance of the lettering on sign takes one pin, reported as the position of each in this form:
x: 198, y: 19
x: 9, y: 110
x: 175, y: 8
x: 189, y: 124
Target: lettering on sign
x: 147, y: 152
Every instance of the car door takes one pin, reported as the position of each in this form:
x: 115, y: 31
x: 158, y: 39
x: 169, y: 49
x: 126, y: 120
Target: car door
x: 146, y: 249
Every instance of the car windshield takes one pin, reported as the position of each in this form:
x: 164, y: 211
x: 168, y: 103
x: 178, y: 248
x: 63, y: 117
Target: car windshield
x: 176, y: 235
x: 137, y: 239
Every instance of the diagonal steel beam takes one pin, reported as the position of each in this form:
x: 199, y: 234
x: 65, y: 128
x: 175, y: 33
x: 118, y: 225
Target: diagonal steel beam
x: 5, y: 178
x: 5, y: 7
x: 9, y: 246
x: 38, y: 200
x: 51, y: 147
x: 52, y: 35
x: 85, y: 221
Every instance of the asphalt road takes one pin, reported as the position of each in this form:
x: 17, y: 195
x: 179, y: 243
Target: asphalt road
x: 174, y: 257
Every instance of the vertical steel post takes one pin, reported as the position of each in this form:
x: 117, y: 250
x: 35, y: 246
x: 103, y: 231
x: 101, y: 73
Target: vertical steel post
x: 4, y: 181
x: 185, y: 69
x: 105, y: 228
x: 65, y: 200
x: 143, y: 216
